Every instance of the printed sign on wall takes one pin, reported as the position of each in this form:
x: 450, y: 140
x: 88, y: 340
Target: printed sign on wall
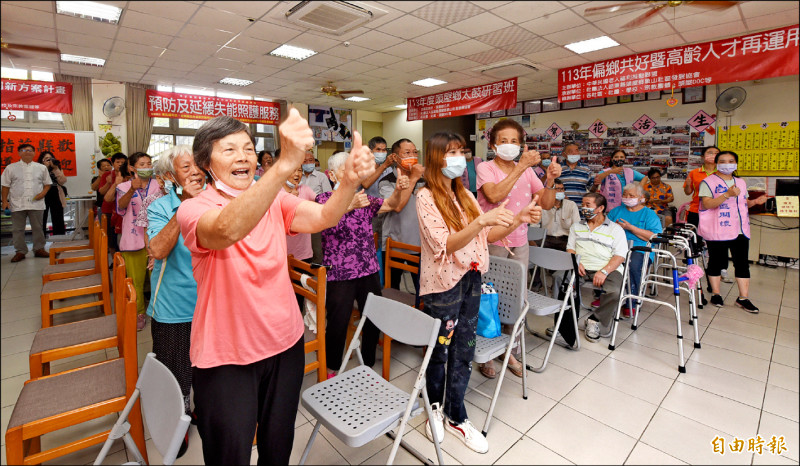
x: 62, y: 145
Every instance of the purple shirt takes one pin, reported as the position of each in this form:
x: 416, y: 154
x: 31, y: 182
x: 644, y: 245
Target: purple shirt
x: 349, y: 247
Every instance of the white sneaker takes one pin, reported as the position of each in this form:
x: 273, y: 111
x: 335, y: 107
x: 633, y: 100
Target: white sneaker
x: 438, y: 421
x: 724, y: 277
x: 592, y: 331
x: 468, y: 434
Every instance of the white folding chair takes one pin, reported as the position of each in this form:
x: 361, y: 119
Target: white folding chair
x: 536, y: 234
x: 508, y: 277
x: 163, y: 410
x: 542, y: 305
x: 359, y: 405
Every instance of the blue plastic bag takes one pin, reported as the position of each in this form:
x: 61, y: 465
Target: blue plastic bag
x: 488, y: 317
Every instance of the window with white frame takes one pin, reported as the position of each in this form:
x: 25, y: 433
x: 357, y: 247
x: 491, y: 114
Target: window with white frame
x: 24, y: 118
x: 169, y: 132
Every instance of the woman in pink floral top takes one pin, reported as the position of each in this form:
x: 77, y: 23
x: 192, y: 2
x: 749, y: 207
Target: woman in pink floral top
x: 455, y: 233
x: 349, y: 250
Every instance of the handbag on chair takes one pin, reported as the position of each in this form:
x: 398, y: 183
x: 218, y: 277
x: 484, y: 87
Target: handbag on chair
x: 488, y: 316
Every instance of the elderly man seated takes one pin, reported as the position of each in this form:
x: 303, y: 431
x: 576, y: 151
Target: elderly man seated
x: 640, y: 224
x: 602, y: 247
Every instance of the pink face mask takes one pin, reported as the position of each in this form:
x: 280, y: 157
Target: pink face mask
x: 630, y: 201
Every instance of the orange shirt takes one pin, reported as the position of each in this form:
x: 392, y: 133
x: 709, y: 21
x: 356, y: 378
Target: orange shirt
x: 695, y: 177
x: 246, y: 309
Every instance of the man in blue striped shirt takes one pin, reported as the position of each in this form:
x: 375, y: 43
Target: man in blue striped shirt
x: 577, y: 176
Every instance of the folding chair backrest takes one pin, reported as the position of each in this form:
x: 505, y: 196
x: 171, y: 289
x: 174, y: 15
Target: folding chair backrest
x: 162, y: 406
x: 537, y: 234
x: 393, y: 253
x: 401, y: 322
x: 551, y: 259
x: 508, y: 277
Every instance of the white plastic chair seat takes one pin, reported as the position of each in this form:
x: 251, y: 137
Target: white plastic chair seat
x: 542, y: 305
x: 357, y: 405
x: 487, y: 349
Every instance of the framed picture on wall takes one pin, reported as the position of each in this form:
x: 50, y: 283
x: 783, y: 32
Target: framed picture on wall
x: 571, y: 104
x: 482, y: 116
x: 638, y: 97
x: 624, y: 99
x: 551, y: 104
x: 599, y: 102
x: 611, y: 100
x: 515, y: 110
x: 532, y: 106
x: 498, y: 113
x: 694, y: 95
x: 654, y: 95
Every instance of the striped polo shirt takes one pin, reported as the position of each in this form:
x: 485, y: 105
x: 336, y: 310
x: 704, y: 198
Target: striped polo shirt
x: 597, y: 247
x: 576, y: 182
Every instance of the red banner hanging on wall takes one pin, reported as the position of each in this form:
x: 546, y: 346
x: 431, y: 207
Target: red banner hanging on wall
x: 62, y: 145
x: 202, y: 107
x: 36, y: 96
x: 478, y: 99
x: 766, y: 54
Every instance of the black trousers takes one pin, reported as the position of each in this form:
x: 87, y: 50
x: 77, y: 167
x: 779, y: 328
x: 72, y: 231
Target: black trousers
x: 718, y: 256
x: 52, y: 204
x: 339, y: 308
x: 694, y: 219
x: 171, y: 343
x: 231, y: 400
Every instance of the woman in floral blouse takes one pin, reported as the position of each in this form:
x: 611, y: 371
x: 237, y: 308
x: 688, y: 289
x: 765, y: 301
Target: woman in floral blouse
x: 349, y: 251
x: 659, y: 194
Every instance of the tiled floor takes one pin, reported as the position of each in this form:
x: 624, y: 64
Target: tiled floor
x: 628, y: 406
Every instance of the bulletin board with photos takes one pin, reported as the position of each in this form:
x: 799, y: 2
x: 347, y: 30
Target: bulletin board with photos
x: 673, y: 148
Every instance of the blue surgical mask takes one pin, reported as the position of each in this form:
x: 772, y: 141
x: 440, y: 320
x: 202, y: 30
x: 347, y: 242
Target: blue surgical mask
x: 309, y: 167
x: 290, y: 184
x: 455, y: 166
x: 574, y: 158
x: 560, y: 196
x: 726, y: 168
x: 380, y: 157
x: 545, y: 163
x: 167, y: 185
x: 336, y: 186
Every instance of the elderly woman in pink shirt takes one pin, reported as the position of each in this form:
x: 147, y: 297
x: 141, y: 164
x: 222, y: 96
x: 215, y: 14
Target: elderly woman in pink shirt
x: 247, y: 355
x: 455, y: 232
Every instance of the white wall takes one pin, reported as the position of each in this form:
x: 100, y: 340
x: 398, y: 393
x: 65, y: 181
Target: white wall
x: 102, y: 91
x: 396, y: 127
x: 360, y: 115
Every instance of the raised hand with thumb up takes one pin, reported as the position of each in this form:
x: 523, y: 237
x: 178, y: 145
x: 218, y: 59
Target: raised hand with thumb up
x: 532, y: 213
x: 499, y: 216
x: 359, y: 200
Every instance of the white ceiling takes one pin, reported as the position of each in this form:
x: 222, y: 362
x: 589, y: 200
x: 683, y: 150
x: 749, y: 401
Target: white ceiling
x: 196, y: 43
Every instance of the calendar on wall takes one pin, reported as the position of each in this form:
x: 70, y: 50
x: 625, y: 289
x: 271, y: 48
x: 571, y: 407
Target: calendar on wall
x: 764, y: 149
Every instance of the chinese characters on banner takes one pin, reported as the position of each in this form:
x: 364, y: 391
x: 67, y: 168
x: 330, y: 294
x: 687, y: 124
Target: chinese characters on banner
x: 203, y: 107
x: 755, y: 56
x: 598, y: 128
x: 644, y: 124
x: 554, y: 131
x: 62, y: 145
x: 478, y: 99
x: 36, y: 96
x: 701, y: 120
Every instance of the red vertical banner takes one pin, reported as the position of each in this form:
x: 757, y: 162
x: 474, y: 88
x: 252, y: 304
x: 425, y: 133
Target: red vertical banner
x: 62, y: 145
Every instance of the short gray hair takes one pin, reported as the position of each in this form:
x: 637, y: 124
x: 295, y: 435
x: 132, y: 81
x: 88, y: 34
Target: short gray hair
x: 214, y: 130
x: 165, y: 163
x: 337, y: 160
x: 638, y: 187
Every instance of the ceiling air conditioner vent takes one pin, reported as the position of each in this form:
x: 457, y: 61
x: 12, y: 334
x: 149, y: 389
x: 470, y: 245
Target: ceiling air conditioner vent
x: 508, y: 69
x: 332, y: 17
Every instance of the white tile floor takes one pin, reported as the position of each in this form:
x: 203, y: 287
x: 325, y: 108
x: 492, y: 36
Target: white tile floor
x: 592, y: 406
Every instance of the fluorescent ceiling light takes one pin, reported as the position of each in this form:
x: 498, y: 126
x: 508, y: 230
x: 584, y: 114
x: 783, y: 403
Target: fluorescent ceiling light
x: 598, y: 43
x: 90, y: 10
x: 67, y: 58
x: 292, y: 52
x: 356, y: 98
x: 401, y: 106
x: 235, y: 82
x: 429, y: 82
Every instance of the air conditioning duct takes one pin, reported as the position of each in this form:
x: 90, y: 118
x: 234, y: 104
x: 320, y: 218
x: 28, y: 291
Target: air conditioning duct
x: 508, y: 69
x: 331, y: 17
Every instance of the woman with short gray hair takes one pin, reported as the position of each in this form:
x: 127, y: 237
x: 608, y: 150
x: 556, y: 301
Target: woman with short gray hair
x: 247, y: 356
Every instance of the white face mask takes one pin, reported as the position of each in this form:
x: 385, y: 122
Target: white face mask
x: 573, y: 158
x: 507, y: 152
x: 560, y: 196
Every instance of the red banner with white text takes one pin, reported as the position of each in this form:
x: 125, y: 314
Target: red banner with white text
x: 62, y: 145
x: 762, y: 55
x: 478, y: 99
x: 36, y: 96
x: 202, y: 107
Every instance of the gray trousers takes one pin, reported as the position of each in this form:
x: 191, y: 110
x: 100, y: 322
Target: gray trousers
x: 18, y: 229
x: 521, y: 255
x: 608, y: 300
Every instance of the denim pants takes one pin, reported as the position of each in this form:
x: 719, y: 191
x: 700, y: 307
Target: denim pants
x: 451, y: 362
x: 638, y: 260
